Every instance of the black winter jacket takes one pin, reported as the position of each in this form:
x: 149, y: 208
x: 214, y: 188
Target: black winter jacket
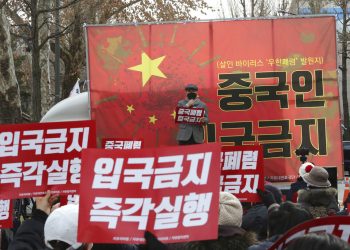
x: 30, y: 235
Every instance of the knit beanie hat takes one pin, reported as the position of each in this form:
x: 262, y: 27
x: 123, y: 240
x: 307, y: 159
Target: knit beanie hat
x: 230, y: 210
x: 305, y: 168
x: 277, y: 194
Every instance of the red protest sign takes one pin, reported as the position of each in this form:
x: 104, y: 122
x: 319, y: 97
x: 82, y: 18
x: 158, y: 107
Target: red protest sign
x: 337, y: 225
x: 167, y: 191
x: 69, y: 199
x: 242, y: 171
x: 119, y: 143
x: 6, y: 209
x: 189, y: 115
x: 40, y: 156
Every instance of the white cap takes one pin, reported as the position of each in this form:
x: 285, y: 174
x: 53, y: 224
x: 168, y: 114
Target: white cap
x: 305, y: 168
x: 62, y: 225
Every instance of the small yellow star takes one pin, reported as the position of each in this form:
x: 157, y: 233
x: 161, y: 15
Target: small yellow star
x: 130, y: 108
x: 149, y: 68
x: 152, y: 119
x: 173, y: 114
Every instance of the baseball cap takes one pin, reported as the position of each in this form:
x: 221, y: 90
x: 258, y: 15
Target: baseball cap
x: 191, y: 87
x: 62, y: 225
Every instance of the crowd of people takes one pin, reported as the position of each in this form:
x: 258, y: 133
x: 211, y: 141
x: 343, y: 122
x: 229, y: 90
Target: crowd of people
x: 240, y: 226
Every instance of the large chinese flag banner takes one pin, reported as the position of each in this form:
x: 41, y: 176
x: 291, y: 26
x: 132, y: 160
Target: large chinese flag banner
x: 40, y: 156
x: 271, y: 82
x: 169, y: 191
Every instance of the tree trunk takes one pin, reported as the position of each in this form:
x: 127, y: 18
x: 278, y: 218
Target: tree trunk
x: 10, y: 105
x: 36, y: 83
x: 36, y: 71
x: 75, y: 61
x: 47, y: 86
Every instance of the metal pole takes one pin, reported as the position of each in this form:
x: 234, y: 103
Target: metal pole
x: 57, y: 56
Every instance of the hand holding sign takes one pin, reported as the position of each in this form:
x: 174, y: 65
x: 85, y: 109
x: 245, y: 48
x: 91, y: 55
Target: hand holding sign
x: 45, y: 203
x: 190, y: 103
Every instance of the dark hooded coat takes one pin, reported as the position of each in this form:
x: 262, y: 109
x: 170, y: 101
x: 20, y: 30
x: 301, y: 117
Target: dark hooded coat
x: 230, y: 237
x: 320, y: 202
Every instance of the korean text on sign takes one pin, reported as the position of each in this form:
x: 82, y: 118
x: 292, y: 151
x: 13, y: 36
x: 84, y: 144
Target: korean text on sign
x: 242, y: 171
x: 116, y: 143
x: 189, y: 115
x: 35, y: 157
x: 166, y: 191
x: 6, y: 214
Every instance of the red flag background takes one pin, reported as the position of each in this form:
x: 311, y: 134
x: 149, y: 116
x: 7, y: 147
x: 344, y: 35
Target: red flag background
x: 271, y: 82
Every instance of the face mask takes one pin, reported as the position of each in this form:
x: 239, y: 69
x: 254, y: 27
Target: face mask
x: 191, y: 96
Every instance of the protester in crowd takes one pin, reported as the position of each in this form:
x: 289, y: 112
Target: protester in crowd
x: 300, y: 183
x: 61, y: 229
x: 54, y: 227
x: 192, y: 133
x: 30, y: 235
x: 153, y: 243
x: 255, y: 219
x: 231, y: 235
x: 319, y: 197
x: 6, y: 238
x: 313, y: 241
x: 281, y: 218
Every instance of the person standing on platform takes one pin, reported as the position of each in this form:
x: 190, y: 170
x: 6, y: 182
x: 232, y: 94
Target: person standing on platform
x: 192, y: 133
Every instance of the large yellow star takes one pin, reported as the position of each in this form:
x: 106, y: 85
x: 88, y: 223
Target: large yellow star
x: 173, y: 114
x: 152, y: 119
x: 130, y: 108
x: 149, y: 68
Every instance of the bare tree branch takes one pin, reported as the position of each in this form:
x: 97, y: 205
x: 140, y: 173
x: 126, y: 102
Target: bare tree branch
x: 14, y: 15
x: 65, y: 55
x: 28, y: 4
x: 53, y: 23
x: 2, y: 3
x: 45, y: 21
x: 124, y: 7
x: 61, y: 33
x: 58, y: 8
x: 25, y: 38
x: 21, y: 25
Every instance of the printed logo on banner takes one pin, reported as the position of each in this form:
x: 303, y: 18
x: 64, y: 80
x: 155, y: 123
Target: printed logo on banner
x: 336, y: 225
x: 166, y: 191
x: 6, y: 210
x: 40, y: 156
x: 189, y: 115
x: 119, y: 143
x: 242, y: 171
